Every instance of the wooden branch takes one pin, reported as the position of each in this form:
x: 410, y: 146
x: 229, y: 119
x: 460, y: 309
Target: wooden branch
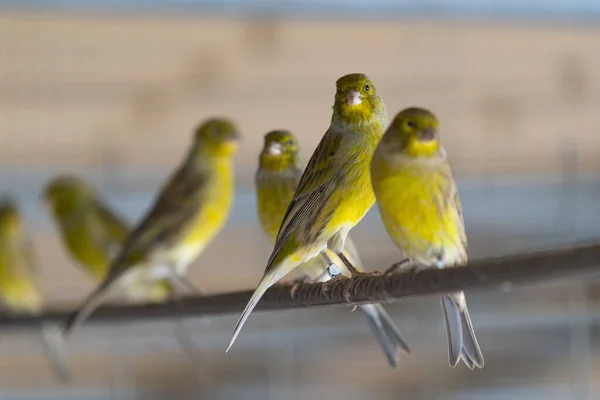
x: 533, y: 268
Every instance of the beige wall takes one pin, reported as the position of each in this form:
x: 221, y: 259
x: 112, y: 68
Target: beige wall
x: 76, y: 88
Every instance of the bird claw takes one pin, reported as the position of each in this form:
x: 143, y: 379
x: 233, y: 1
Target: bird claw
x: 404, y: 266
x: 296, y: 285
x: 326, y: 286
x: 365, y: 274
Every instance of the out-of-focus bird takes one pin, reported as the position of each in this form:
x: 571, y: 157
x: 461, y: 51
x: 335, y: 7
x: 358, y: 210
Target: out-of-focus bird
x: 278, y: 175
x: 190, y: 210
x: 93, y: 234
x: 420, y: 208
x: 18, y: 290
x: 335, y: 190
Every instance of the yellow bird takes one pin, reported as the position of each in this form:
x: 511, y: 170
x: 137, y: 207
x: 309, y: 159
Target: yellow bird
x: 335, y: 190
x: 18, y: 291
x: 420, y: 208
x: 278, y: 175
x: 190, y: 210
x: 93, y: 234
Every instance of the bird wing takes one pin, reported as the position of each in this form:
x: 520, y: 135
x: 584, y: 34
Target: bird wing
x: 116, y: 226
x: 450, y: 203
x: 179, y: 201
x: 318, y: 182
x: 452, y: 191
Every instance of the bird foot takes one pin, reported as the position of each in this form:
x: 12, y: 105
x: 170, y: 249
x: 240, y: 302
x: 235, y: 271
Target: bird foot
x: 365, y: 274
x: 327, y: 285
x: 296, y: 285
x: 356, y: 275
x: 404, y: 266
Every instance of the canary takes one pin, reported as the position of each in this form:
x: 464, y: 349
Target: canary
x: 18, y: 290
x: 277, y: 177
x: 420, y: 208
x: 334, y: 192
x: 93, y: 233
x: 190, y: 210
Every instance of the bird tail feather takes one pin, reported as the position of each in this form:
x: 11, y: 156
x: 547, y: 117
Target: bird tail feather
x: 386, y: 332
x: 90, y: 304
x: 54, y: 347
x: 268, y: 279
x: 462, y: 342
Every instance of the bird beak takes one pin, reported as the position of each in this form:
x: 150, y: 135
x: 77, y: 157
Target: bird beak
x: 428, y: 135
x: 274, y: 149
x: 353, y: 98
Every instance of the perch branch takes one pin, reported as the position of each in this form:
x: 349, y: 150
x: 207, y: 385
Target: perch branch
x: 532, y: 268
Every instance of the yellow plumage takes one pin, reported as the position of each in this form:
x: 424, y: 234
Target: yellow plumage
x: 413, y: 196
x: 93, y: 234
x: 334, y: 192
x: 18, y: 291
x: 419, y: 205
x: 278, y: 175
x: 190, y: 210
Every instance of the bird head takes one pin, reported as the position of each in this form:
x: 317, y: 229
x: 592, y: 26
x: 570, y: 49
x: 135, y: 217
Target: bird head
x: 217, y: 137
x: 10, y: 219
x: 414, y: 132
x: 280, y: 150
x: 65, y: 192
x: 356, y: 100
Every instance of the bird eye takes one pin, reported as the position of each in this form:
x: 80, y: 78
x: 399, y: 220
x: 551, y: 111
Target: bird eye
x: 289, y: 142
x: 367, y: 87
x: 410, y: 124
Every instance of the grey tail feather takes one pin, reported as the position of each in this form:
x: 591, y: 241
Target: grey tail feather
x: 184, y: 338
x: 89, y: 304
x: 462, y: 342
x: 53, y: 345
x: 386, y: 332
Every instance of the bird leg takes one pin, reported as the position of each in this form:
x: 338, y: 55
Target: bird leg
x: 353, y: 271
x: 191, y: 287
x: 332, y: 271
x: 184, y: 282
x: 297, y: 283
x: 405, y: 266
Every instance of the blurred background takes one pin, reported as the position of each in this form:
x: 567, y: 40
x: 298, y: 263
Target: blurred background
x: 111, y: 90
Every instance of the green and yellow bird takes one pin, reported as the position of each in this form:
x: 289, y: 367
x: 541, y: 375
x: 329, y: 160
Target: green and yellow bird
x: 93, y: 234
x: 18, y: 290
x: 277, y: 177
x: 190, y: 210
x: 335, y: 190
x: 420, y: 208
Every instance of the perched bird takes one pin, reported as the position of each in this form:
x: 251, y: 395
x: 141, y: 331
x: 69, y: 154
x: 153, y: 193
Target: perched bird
x: 190, y: 210
x: 93, y: 234
x: 335, y: 190
x: 18, y: 291
x: 278, y: 175
x: 420, y: 208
